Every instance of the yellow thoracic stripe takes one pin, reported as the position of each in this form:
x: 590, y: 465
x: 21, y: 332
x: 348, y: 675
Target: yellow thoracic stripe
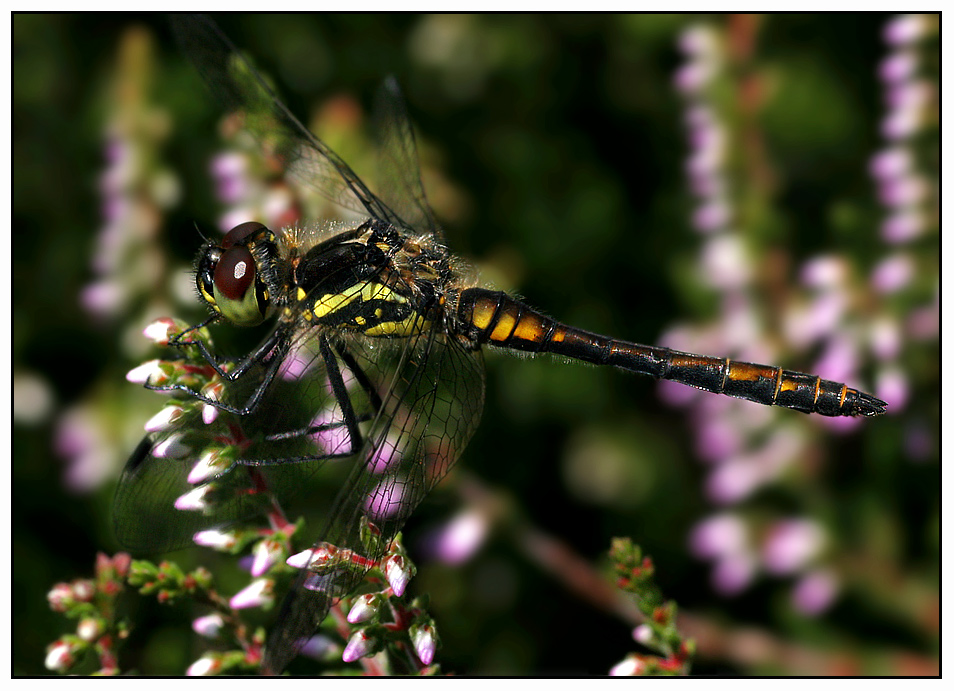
x: 415, y: 323
x: 365, y: 292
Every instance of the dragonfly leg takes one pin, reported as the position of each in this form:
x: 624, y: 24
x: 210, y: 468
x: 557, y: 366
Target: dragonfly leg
x: 271, y: 353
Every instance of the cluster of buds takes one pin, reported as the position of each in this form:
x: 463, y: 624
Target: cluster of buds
x: 634, y: 574
x: 380, y: 620
x: 167, y: 581
x: 93, y: 603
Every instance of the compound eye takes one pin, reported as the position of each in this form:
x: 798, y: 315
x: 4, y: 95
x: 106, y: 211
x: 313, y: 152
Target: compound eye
x: 204, y: 275
x: 236, y: 293
x: 240, y: 233
x: 235, y: 272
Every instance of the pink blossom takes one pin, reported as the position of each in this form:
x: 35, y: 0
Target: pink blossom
x: 733, y: 574
x: 893, y: 273
x: 791, y: 544
x: 815, y: 592
x: 906, y: 29
x: 461, y: 537
x: 898, y: 67
x: 719, y: 535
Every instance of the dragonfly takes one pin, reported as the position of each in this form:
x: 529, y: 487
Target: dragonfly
x: 371, y: 368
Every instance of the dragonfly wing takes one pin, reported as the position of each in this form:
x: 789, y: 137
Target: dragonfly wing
x: 431, y: 406
x: 307, y: 160
x: 298, y: 421
x: 399, y: 164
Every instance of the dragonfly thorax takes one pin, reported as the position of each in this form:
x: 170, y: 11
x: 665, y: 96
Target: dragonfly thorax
x: 373, y: 279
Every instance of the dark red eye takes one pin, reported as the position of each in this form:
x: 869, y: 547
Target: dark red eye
x: 240, y: 233
x: 235, y: 271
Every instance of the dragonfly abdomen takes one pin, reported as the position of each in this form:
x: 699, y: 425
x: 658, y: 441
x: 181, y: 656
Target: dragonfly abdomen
x: 495, y: 318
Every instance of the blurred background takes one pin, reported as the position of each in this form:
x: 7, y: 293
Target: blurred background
x: 760, y: 187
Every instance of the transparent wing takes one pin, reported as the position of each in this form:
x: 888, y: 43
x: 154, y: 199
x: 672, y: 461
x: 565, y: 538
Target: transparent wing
x: 399, y: 164
x: 306, y: 159
x: 393, y: 425
x: 434, y: 397
x: 170, y: 464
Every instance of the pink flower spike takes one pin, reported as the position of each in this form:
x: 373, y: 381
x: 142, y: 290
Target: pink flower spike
x: 258, y: 593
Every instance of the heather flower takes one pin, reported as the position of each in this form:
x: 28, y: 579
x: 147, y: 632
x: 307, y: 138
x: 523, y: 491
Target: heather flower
x: 360, y: 645
x: 424, y: 640
x: 216, y: 539
x: 365, y: 607
x: 205, y: 666
x: 59, y: 657
x: 719, y: 535
x: 386, y: 499
x: 893, y: 274
x: 259, y: 593
x: 733, y: 574
x: 791, y: 545
x: 166, y: 418
x: 266, y: 554
x: 631, y: 666
x: 89, y: 629
x: 815, y: 592
x: 208, y: 626
x: 398, y: 570
x: 906, y: 29
x: 461, y: 537
x: 643, y: 634
x: 194, y: 500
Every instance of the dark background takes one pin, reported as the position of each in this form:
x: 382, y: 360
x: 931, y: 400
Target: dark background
x: 560, y: 148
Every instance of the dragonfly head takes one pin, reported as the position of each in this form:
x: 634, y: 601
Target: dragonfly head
x: 228, y: 277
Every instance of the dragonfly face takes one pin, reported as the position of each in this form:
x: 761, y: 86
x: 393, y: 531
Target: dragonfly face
x: 228, y: 276
x: 371, y: 370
